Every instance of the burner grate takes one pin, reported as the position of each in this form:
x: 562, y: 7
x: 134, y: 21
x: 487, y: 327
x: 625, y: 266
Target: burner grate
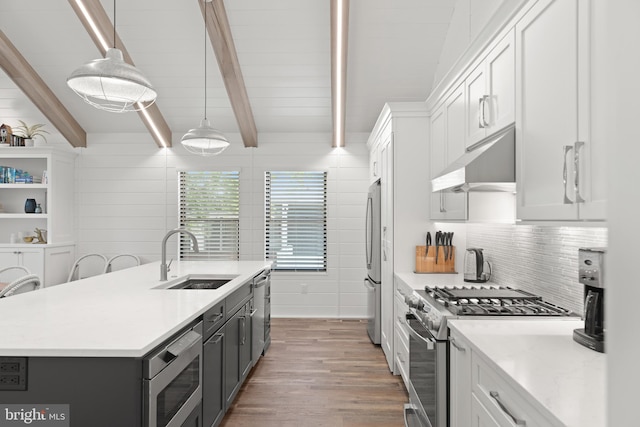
x: 494, y: 301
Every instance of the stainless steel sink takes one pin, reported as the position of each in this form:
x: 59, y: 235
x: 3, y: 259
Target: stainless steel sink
x: 201, y: 284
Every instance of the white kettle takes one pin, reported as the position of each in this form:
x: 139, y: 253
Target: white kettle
x: 476, y: 269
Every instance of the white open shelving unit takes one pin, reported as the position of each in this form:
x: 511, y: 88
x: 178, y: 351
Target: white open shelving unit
x: 53, y: 260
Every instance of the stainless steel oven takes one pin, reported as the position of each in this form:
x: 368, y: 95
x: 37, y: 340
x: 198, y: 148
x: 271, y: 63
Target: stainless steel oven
x: 173, y: 380
x: 427, y: 376
x: 429, y: 310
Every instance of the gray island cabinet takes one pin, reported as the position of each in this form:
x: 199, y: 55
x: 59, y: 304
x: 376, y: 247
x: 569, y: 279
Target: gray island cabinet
x: 99, y: 346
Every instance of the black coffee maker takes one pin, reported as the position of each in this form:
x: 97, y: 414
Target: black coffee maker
x: 591, y: 275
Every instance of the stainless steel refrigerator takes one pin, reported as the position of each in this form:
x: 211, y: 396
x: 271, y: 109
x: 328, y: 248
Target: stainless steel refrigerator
x: 373, y: 249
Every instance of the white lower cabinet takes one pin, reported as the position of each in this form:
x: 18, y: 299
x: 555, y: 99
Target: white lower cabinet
x: 502, y: 402
x: 459, y: 381
x: 51, y: 263
x: 482, y: 396
x: 401, y: 338
x: 480, y: 417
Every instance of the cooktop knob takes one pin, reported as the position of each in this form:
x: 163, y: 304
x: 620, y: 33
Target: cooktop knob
x: 414, y: 302
x: 434, y: 324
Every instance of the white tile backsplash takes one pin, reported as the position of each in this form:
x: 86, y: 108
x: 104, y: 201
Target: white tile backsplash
x: 537, y: 258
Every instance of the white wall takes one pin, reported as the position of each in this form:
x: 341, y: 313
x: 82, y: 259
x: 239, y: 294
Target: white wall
x: 620, y: 69
x: 127, y: 199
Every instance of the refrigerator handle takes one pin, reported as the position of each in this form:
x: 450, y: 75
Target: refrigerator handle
x: 369, y: 231
x: 368, y: 285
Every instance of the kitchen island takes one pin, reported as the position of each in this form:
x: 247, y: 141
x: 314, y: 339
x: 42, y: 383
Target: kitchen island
x: 120, y: 314
x: 125, y: 348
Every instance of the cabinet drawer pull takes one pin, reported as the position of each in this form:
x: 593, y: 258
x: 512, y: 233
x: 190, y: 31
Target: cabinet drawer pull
x: 215, y: 339
x: 516, y: 421
x: 456, y: 345
x: 400, y: 358
x: 215, y: 318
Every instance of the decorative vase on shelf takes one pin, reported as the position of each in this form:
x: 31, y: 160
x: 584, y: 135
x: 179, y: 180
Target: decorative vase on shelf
x: 38, y: 209
x: 30, y: 206
x: 28, y: 142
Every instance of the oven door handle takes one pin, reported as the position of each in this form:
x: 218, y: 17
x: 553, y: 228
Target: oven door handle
x: 430, y: 342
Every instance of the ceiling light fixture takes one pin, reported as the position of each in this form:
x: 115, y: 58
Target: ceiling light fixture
x: 205, y: 140
x: 110, y: 83
x: 339, y: 33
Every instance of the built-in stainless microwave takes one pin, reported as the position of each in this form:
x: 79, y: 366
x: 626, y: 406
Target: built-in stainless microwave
x: 173, y: 380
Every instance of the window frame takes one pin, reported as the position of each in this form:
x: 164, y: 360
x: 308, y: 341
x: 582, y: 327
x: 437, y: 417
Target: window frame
x: 296, y: 263
x: 228, y: 219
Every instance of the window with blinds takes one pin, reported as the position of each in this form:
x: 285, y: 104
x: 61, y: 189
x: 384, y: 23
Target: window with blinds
x: 210, y: 209
x: 296, y: 220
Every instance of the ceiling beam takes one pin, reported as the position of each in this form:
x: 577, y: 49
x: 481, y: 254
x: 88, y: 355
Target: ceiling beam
x: 339, y: 37
x: 219, y: 32
x: 100, y: 28
x: 26, y: 78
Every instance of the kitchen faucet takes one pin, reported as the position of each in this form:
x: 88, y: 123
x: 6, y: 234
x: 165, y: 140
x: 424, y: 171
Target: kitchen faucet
x: 164, y: 269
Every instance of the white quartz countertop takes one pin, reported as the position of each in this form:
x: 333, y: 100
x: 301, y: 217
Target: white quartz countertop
x: 420, y: 280
x: 558, y: 375
x: 119, y: 314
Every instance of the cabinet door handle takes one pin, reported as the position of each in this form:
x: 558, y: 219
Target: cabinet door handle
x: 400, y: 358
x: 516, y: 421
x: 243, y: 329
x: 483, y: 114
x: 442, y: 207
x: 567, y: 200
x: 456, y: 345
x: 576, y: 170
x: 480, y: 113
x: 375, y: 168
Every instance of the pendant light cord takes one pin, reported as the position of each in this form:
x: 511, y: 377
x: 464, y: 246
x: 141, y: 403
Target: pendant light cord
x: 204, y: 3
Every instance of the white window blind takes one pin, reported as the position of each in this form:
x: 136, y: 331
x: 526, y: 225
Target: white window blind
x: 210, y: 209
x: 296, y: 220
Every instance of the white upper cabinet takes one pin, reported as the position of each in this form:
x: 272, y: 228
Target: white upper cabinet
x: 555, y: 165
x: 447, y: 144
x: 490, y: 92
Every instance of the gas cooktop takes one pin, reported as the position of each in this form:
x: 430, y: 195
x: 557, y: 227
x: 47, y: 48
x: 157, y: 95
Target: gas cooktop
x: 491, y: 301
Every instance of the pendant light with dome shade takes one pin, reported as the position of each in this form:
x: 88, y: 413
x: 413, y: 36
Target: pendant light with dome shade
x: 205, y: 140
x: 110, y: 84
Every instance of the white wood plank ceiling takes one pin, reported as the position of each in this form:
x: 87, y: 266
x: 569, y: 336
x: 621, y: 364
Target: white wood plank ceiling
x: 283, y: 47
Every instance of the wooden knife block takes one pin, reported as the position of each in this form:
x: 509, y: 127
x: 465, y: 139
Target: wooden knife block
x: 426, y: 263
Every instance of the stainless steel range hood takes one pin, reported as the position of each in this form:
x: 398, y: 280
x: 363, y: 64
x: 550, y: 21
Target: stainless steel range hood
x: 490, y: 165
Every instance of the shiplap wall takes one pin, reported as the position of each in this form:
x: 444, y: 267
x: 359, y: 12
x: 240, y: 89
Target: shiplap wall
x: 127, y: 199
x: 537, y: 258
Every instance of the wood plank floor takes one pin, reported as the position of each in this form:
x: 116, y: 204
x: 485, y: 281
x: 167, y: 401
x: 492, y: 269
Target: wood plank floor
x: 319, y: 372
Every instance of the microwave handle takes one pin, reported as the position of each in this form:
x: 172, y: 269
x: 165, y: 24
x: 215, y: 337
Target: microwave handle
x: 182, y: 344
